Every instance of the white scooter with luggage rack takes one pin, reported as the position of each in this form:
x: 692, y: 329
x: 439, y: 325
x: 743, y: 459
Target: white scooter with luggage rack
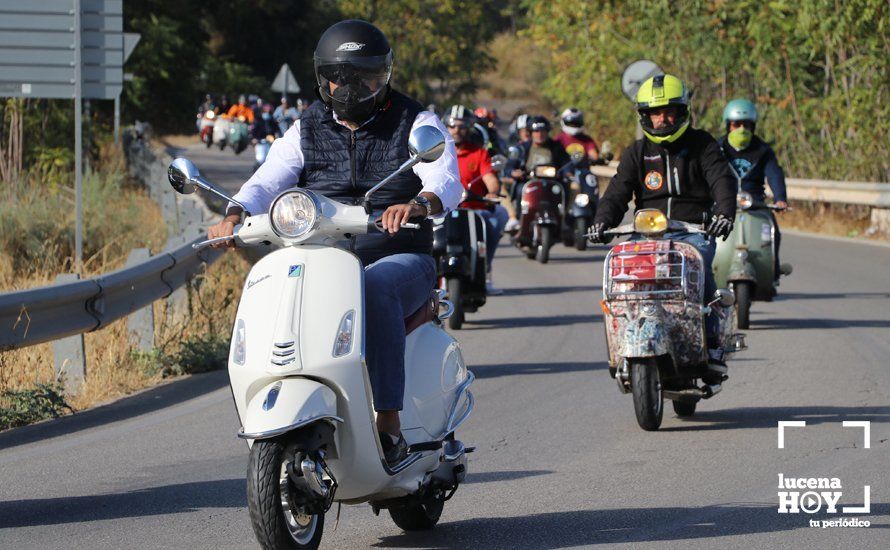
x: 298, y: 375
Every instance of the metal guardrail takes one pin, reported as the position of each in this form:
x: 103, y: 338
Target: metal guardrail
x: 64, y: 309
x: 876, y: 195
x: 48, y: 313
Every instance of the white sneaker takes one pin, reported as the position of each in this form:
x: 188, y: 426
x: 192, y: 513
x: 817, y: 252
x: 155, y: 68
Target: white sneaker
x: 511, y: 225
x: 492, y: 290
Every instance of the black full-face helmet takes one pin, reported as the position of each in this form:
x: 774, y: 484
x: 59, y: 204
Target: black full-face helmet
x: 354, y: 58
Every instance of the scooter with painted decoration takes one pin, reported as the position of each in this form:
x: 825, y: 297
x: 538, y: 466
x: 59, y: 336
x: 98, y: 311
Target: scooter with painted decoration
x: 655, y: 321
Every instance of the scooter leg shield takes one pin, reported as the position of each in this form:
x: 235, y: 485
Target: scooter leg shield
x: 287, y: 404
x: 646, y: 337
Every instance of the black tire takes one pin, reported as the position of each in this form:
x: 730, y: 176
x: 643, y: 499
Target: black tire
x: 743, y: 291
x: 208, y: 142
x: 264, y: 502
x: 543, y: 252
x: 221, y: 145
x: 684, y: 408
x: 455, y: 294
x: 580, y: 230
x: 418, y: 517
x: 646, y: 387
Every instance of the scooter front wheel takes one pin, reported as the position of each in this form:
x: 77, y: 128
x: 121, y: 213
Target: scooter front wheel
x: 646, y: 387
x: 580, y: 234
x: 455, y: 295
x: 742, y: 290
x: 271, y: 500
x: 543, y: 253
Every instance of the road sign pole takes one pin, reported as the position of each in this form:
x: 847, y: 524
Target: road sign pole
x: 78, y: 144
x: 117, y: 119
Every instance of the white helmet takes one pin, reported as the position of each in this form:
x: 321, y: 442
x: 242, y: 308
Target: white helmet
x: 572, y: 121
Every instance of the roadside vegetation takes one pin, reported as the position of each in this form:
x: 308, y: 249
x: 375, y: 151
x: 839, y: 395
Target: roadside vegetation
x: 36, y: 244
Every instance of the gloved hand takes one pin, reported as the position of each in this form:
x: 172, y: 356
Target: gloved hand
x: 598, y: 233
x: 720, y: 226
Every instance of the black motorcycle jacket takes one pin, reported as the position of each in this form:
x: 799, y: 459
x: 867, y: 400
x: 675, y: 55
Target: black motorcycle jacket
x: 688, y: 180
x: 344, y: 165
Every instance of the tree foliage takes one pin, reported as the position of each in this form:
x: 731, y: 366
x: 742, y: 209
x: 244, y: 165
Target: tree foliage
x: 817, y: 69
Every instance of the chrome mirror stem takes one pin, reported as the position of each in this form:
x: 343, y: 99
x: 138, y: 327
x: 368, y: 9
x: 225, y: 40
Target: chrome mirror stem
x: 210, y: 188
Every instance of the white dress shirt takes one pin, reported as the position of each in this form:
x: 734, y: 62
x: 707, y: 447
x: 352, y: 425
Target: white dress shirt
x: 283, y: 165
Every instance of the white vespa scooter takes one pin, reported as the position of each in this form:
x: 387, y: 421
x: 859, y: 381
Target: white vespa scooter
x: 298, y: 376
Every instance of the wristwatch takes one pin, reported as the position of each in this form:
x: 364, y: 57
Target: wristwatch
x: 424, y: 202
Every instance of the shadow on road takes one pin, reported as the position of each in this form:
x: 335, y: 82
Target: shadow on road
x: 830, y: 295
x: 592, y: 527
x: 549, y: 290
x: 544, y: 321
x: 811, y: 323
x: 768, y: 417
x: 168, y: 499
x: 486, y: 477
x: 494, y: 371
x: 128, y: 407
x: 588, y: 258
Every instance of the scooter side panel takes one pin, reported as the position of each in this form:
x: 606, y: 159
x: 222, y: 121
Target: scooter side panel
x: 288, y: 402
x: 434, y: 368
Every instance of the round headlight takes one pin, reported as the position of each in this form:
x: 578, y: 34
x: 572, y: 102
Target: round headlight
x: 582, y: 199
x: 294, y: 213
x: 744, y: 200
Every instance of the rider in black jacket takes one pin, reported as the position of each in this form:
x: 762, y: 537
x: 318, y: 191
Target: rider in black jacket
x: 678, y: 170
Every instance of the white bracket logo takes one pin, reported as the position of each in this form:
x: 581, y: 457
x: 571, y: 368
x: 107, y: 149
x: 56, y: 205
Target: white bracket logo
x: 811, y: 502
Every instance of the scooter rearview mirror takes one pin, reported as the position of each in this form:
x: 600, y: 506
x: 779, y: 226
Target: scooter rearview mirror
x: 426, y: 143
x: 180, y: 174
x: 513, y: 152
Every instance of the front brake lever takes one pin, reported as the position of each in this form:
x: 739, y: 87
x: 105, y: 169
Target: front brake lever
x: 204, y: 244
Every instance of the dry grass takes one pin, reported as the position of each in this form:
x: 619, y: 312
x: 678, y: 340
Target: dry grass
x: 830, y: 219
x: 115, y: 370
x: 35, y: 245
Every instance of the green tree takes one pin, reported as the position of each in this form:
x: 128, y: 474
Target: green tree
x: 439, y: 45
x: 817, y: 70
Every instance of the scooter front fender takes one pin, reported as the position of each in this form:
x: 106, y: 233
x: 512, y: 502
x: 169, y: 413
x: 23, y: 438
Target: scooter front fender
x: 741, y: 270
x: 287, y: 404
x: 646, y: 337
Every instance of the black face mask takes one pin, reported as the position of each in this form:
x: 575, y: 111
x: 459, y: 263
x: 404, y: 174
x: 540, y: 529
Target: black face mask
x: 347, y: 108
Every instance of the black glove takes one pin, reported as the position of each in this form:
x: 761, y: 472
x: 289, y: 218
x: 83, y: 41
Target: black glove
x: 720, y: 226
x: 598, y: 234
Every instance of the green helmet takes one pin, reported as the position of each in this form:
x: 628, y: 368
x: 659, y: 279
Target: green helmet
x: 661, y: 91
x: 739, y: 109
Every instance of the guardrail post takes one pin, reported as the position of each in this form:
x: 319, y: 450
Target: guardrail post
x: 178, y: 301
x: 68, y: 353
x: 880, y: 220
x: 141, y: 323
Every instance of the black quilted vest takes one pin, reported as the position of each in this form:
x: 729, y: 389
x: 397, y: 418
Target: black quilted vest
x: 344, y: 165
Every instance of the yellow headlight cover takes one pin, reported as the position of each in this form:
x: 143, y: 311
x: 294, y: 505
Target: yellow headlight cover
x: 650, y: 220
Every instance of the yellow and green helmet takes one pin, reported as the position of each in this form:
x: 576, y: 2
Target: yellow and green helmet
x: 661, y: 91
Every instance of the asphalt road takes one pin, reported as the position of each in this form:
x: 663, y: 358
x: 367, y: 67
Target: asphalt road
x: 561, y: 461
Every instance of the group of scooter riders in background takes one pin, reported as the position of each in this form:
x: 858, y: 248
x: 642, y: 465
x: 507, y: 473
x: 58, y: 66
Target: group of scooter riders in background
x: 539, y: 190
x: 251, y: 120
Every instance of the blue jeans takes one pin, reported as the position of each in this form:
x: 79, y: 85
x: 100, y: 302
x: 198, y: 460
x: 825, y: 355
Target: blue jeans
x: 495, y: 222
x: 707, y: 248
x: 395, y: 287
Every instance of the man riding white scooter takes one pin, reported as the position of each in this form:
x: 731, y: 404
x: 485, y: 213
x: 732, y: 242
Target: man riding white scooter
x: 679, y: 170
x: 341, y: 147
